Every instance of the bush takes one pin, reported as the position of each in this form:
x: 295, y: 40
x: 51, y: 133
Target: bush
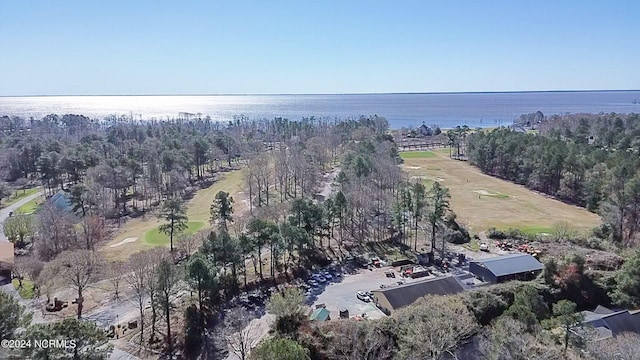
x: 603, y: 231
x: 455, y: 234
x: 510, y: 233
x: 457, y: 237
x: 484, y: 305
x: 591, y: 242
x: 496, y: 234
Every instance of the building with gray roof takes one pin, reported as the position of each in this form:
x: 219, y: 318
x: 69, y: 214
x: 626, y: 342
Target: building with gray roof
x: 608, y: 323
x: 392, y: 298
x: 504, y: 268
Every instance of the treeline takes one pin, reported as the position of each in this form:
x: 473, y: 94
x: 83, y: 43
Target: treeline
x: 131, y: 165
x: 588, y: 160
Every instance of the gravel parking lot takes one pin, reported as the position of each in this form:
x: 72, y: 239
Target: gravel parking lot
x: 341, y: 294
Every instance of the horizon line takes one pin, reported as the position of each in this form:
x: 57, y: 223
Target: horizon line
x: 324, y: 94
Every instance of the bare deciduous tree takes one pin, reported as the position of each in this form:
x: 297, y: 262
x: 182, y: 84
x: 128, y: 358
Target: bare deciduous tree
x: 358, y: 340
x: 79, y: 268
x: 508, y: 339
x: 168, y: 278
x: 115, y: 273
x: 33, y: 268
x: 153, y: 258
x: 94, y: 231
x: 19, y: 270
x: 240, y: 332
x: 189, y: 243
x: 625, y: 346
x: 137, y: 275
x: 56, y: 232
x: 433, y: 327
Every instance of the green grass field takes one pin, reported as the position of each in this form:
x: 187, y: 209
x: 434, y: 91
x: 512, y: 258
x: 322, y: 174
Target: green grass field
x: 31, y: 206
x: 482, y: 201
x: 417, y: 154
x: 197, y: 211
x: 155, y: 237
x: 18, y: 195
x: 26, y: 292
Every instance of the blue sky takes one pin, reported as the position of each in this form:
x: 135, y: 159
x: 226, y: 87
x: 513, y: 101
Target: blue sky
x: 241, y: 47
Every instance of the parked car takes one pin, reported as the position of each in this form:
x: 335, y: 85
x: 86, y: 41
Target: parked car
x: 484, y: 247
x: 312, y: 283
x: 361, y: 295
x: 327, y: 275
x: 319, y: 278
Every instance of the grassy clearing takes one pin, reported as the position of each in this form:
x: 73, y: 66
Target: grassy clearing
x: 197, y: 211
x: 416, y: 154
x: 31, y: 206
x: 512, y: 206
x: 155, y: 237
x: 18, y: 195
x: 26, y: 292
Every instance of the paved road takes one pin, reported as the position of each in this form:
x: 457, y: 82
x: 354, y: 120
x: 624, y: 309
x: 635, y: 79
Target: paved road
x: 4, y: 213
x: 118, y: 354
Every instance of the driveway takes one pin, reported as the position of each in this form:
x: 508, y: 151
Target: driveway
x: 4, y: 213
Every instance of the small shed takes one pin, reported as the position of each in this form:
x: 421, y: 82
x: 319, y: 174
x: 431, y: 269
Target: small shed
x: 320, y: 314
x: 508, y: 267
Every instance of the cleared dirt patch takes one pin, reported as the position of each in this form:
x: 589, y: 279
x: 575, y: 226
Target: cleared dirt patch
x: 524, y: 209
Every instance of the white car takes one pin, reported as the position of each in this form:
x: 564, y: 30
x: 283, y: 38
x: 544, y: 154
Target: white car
x: 361, y: 295
x: 484, y: 247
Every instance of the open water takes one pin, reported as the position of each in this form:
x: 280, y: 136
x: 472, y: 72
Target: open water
x: 401, y: 110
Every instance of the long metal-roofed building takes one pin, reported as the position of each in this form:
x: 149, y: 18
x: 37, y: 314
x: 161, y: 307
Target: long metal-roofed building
x: 504, y: 268
x: 392, y: 298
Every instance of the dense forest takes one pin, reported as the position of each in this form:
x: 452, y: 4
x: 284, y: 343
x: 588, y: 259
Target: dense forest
x: 588, y: 160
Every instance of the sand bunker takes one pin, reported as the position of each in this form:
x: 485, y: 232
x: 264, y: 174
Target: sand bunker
x: 125, y: 241
x: 491, y: 194
x: 426, y: 178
